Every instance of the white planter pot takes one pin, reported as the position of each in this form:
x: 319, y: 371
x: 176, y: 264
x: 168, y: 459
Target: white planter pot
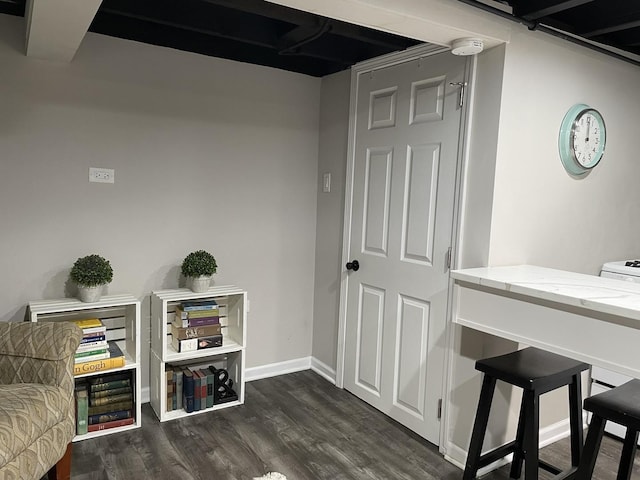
x: 89, y: 294
x: 200, y: 284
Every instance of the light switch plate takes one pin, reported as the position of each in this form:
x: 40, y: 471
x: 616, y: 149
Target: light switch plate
x: 326, y: 182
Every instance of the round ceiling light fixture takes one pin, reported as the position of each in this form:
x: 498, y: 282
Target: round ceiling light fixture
x: 466, y: 46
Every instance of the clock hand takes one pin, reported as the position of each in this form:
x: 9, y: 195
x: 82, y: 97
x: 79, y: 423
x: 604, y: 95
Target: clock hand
x: 588, y: 128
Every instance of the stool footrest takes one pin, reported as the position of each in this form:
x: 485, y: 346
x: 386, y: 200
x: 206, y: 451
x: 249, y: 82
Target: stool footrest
x: 549, y: 468
x: 569, y: 474
x: 496, y: 454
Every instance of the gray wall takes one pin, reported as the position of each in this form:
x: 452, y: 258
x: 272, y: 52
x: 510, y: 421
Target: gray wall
x: 332, y: 157
x: 207, y: 153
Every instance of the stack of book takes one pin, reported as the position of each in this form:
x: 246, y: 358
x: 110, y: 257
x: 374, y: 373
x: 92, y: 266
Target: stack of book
x: 104, y: 402
x: 196, y: 326
x: 197, y: 388
x: 93, y: 345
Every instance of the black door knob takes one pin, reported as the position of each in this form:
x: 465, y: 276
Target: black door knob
x: 353, y: 265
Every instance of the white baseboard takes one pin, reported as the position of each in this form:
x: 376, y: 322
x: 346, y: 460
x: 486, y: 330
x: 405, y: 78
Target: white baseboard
x: 548, y: 435
x: 324, y: 370
x: 145, y: 395
x: 274, y: 369
x: 290, y: 366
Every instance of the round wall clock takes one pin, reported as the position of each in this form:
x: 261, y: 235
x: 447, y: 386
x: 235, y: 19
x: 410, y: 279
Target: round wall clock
x: 582, y: 139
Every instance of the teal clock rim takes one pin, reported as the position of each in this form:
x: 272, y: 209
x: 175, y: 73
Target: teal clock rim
x: 567, y: 155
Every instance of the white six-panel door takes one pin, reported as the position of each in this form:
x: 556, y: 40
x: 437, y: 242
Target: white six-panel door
x: 405, y: 157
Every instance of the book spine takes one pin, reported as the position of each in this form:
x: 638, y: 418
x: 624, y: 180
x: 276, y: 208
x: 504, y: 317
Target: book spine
x: 97, y: 344
x: 187, y: 386
x: 210, y: 387
x: 105, y: 426
x: 94, y: 331
x: 92, y: 337
x: 196, y: 390
x: 189, y: 345
x: 91, y: 358
x: 109, y: 393
x: 108, y: 378
x: 82, y: 411
x: 98, y: 365
x: 203, y: 389
x: 87, y: 322
x: 197, y: 322
x: 109, y: 417
x: 96, y: 402
x: 169, y: 374
x: 88, y: 353
x: 184, y: 333
x: 209, y: 342
x: 181, y: 314
x: 112, y: 407
x: 109, y: 384
x: 199, y: 305
x: 178, y: 374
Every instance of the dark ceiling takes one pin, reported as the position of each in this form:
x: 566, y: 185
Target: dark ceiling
x: 263, y: 33
x: 252, y: 31
x: 615, y: 23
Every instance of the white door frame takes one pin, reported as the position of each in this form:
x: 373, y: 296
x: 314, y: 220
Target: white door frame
x: 420, y: 51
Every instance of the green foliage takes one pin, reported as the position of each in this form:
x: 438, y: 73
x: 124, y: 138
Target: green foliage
x: 199, y: 263
x: 91, y: 271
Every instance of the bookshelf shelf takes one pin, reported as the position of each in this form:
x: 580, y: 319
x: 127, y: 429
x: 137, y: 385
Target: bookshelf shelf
x: 232, y: 302
x: 121, y: 315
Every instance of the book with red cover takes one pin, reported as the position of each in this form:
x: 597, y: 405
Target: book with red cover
x: 197, y: 390
x: 96, y: 427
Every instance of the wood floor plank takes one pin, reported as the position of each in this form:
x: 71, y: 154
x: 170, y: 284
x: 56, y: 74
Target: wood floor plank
x: 297, y: 424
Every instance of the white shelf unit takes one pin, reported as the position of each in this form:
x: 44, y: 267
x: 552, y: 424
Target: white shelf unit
x: 121, y: 315
x: 232, y: 302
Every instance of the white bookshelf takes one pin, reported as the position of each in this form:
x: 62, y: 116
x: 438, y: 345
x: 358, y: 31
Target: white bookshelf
x: 121, y: 315
x: 232, y: 303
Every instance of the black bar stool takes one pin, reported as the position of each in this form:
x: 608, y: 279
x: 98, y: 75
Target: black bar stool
x: 620, y: 405
x: 536, y: 372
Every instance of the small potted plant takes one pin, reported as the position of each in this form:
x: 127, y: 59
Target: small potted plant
x: 198, y: 267
x: 90, y: 274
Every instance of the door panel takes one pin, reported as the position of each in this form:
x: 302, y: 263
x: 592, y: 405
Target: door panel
x: 420, y: 203
x: 369, y: 351
x: 377, y: 194
x: 405, y: 157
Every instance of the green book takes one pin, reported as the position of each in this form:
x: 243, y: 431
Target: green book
x: 82, y: 410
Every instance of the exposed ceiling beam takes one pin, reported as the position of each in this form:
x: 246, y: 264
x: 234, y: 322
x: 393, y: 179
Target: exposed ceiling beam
x: 612, y: 28
x: 55, y: 28
x: 299, y: 36
x: 535, y: 9
x: 253, y: 33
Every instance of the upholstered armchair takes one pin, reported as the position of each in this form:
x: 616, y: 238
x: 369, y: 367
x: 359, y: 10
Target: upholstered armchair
x: 37, y: 409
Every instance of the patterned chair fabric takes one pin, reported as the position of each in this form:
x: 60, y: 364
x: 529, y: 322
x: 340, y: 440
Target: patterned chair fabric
x: 37, y: 411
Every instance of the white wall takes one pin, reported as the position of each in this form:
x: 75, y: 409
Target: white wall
x: 541, y: 215
x: 207, y: 153
x: 332, y: 158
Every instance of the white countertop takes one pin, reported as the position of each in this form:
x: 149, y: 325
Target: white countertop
x: 595, y: 293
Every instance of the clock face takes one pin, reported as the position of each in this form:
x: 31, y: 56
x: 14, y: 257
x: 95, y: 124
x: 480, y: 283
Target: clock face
x: 582, y: 139
x: 587, y: 139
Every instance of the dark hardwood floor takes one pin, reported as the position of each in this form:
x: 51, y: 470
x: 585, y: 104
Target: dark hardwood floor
x: 297, y: 424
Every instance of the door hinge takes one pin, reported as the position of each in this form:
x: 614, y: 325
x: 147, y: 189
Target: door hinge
x: 447, y: 259
x: 439, y: 408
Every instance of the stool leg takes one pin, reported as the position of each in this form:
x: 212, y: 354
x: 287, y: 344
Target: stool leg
x: 531, y: 435
x: 628, y: 454
x: 575, y: 419
x: 518, y: 452
x: 591, y: 448
x: 479, y: 427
